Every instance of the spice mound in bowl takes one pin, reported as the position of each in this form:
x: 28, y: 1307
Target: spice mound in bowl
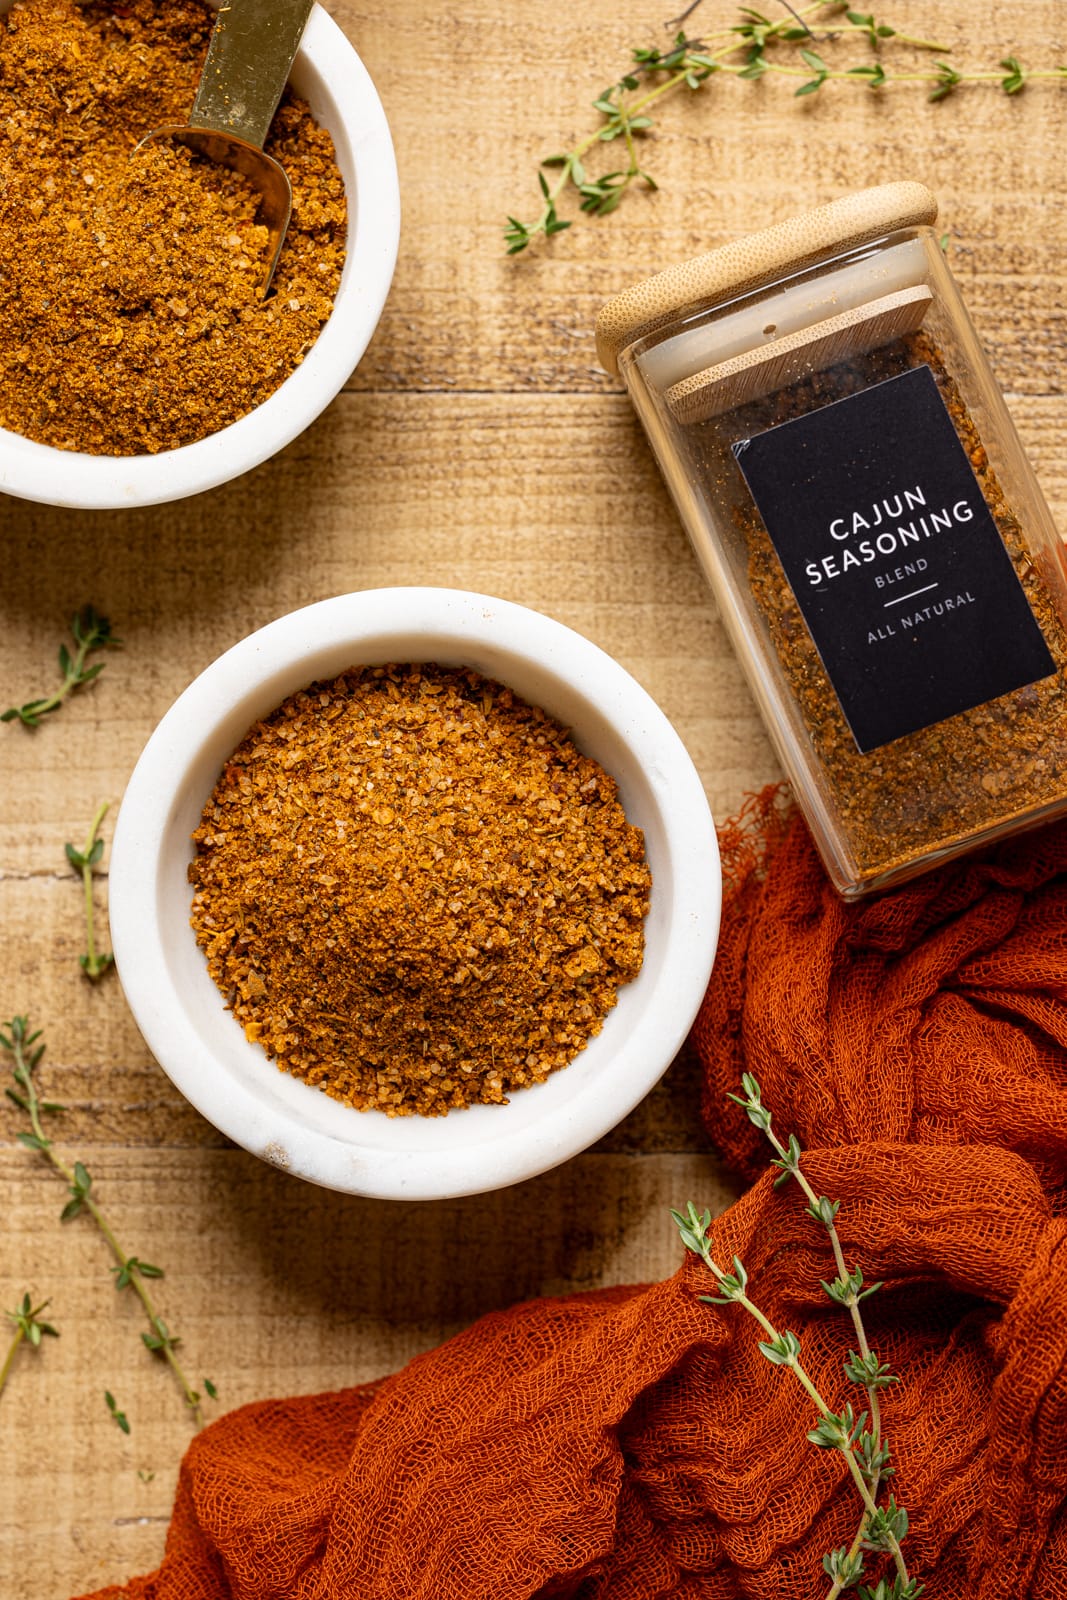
x: 131, y: 312
x: 415, y: 890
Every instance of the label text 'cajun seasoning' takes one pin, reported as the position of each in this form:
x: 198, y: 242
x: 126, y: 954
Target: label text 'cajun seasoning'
x: 895, y: 561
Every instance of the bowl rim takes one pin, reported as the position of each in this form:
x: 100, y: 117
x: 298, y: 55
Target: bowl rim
x: 280, y: 658
x: 78, y: 480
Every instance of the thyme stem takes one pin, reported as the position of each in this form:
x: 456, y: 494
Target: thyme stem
x: 19, y: 1042
x: 921, y: 44
x: 789, y: 1358
x: 867, y: 1456
x: 838, y: 1585
x: 10, y: 1357
x: 83, y: 861
x: 846, y: 1291
x: 852, y: 1299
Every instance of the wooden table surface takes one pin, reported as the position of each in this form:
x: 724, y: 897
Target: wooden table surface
x: 478, y: 445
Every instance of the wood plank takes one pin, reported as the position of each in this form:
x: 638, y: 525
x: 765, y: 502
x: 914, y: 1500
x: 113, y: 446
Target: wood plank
x: 477, y: 445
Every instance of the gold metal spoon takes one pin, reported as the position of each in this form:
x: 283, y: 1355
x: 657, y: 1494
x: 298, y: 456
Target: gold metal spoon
x: 248, y: 60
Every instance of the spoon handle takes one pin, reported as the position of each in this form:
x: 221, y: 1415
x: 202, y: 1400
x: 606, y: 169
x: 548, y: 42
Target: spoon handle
x: 248, y: 60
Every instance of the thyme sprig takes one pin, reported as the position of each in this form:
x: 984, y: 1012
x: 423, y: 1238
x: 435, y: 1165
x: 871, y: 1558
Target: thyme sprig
x: 91, y: 632
x: 94, y: 963
x: 858, y: 1438
x: 30, y: 1328
x: 130, y: 1272
x: 752, y: 48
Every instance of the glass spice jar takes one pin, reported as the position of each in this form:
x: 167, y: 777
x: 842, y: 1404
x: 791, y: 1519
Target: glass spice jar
x: 879, y: 548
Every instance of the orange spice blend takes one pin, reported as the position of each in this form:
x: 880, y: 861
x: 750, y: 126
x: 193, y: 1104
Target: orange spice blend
x: 920, y: 791
x: 131, y: 316
x: 415, y: 891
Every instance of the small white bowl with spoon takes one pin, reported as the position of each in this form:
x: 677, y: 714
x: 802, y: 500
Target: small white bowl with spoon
x: 328, y: 74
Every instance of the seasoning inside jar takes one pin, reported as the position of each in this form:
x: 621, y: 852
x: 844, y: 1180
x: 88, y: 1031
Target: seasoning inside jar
x: 902, y: 793
x: 415, y: 891
x: 131, y: 311
x: 880, y: 550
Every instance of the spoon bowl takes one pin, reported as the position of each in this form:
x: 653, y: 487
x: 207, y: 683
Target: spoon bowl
x: 253, y: 46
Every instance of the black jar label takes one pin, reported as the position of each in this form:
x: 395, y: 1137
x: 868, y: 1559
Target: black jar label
x: 894, y: 558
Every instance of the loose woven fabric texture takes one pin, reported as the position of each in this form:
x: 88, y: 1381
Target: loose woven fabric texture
x: 934, y: 1015
x: 634, y: 1443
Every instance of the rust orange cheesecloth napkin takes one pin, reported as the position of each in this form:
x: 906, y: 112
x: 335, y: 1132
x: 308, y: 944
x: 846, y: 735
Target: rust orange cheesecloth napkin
x: 634, y: 1443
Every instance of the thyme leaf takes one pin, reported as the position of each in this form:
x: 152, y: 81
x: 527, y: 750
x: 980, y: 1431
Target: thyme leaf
x: 118, y: 1416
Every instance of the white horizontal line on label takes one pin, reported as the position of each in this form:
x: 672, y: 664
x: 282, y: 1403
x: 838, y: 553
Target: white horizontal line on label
x: 911, y: 596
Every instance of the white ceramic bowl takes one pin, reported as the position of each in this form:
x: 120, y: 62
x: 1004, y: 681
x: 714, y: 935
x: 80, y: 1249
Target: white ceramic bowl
x: 329, y: 75
x: 181, y: 1012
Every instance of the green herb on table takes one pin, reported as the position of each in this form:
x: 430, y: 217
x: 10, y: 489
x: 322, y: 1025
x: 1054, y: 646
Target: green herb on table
x: 130, y: 1271
x: 29, y: 1329
x: 91, y: 632
x: 94, y: 963
x: 120, y: 1417
x: 754, y: 47
x: 858, y: 1438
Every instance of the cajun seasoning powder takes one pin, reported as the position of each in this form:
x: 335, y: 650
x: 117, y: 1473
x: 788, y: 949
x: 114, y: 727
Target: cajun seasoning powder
x: 879, y: 549
x: 415, y: 891
x: 131, y: 310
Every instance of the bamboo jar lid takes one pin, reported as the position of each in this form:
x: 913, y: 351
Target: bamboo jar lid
x: 746, y: 263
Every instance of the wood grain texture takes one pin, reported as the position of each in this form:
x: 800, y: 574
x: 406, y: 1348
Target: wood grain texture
x: 477, y: 445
